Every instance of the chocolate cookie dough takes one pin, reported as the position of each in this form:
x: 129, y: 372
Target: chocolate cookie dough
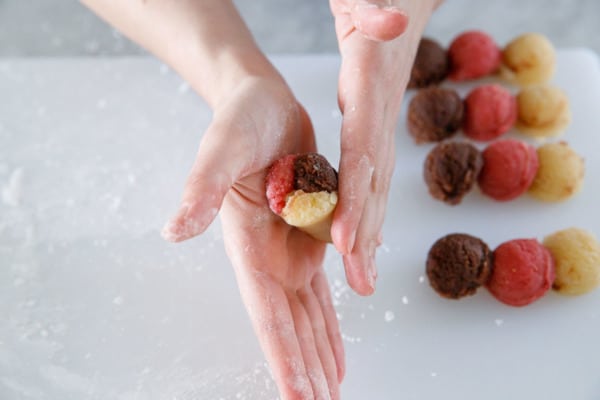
x: 313, y: 173
x: 430, y: 66
x: 451, y: 170
x: 458, y: 264
x: 434, y: 114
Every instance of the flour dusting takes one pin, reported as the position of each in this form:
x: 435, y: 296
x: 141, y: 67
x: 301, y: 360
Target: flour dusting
x: 389, y: 316
x: 12, y: 191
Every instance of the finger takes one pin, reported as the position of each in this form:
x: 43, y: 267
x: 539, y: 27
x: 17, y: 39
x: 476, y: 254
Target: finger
x: 377, y: 21
x: 382, y: 177
x: 306, y: 339
x: 360, y: 265
x: 354, y: 176
x: 319, y: 329
x: 218, y: 164
x: 361, y: 272
x: 322, y: 292
x: 271, y: 315
x: 361, y: 132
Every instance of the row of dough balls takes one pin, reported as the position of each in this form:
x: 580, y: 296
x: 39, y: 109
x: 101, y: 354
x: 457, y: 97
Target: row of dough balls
x: 528, y: 59
x: 517, y: 272
x: 504, y: 170
x: 487, y: 112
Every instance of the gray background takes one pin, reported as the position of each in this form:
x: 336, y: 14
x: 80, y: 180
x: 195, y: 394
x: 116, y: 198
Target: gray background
x: 59, y: 28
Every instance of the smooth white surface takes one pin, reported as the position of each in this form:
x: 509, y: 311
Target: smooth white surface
x: 95, y: 305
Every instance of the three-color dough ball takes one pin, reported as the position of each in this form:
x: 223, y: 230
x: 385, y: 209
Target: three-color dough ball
x: 302, y: 190
x: 519, y: 271
x: 487, y: 112
x: 504, y: 170
x: 528, y: 59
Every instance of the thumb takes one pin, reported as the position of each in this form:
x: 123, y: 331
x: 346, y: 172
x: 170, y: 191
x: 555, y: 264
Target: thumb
x: 217, y: 166
x: 377, y: 20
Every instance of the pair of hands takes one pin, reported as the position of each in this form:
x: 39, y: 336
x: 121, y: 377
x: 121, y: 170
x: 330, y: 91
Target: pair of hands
x: 278, y: 268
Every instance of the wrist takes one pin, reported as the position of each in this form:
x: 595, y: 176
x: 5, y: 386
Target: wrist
x: 217, y: 78
x: 214, y: 70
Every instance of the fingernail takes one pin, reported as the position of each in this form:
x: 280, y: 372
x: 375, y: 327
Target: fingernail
x: 371, y: 273
x: 371, y: 268
x: 394, y: 9
x: 366, y: 5
x: 372, y: 6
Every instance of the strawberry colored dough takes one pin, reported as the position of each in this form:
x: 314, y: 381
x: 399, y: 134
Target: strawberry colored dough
x: 523, y: 272
x: 472, y: 55
x: 280, y: 182
x: 509, y: 167
x: 490, y: 111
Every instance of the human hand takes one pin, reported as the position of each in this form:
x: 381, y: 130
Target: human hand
x: 278, y: 268
x: 377, y: 44
x: 256, y: 120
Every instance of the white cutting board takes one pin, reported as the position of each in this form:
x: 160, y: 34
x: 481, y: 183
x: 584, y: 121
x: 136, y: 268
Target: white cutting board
x: 95, y: 305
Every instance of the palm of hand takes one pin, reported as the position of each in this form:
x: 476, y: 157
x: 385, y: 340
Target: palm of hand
x: 278, y: 268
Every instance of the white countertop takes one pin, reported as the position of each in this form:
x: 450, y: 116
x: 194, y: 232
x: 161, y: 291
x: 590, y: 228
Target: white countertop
x: 95, y: 305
